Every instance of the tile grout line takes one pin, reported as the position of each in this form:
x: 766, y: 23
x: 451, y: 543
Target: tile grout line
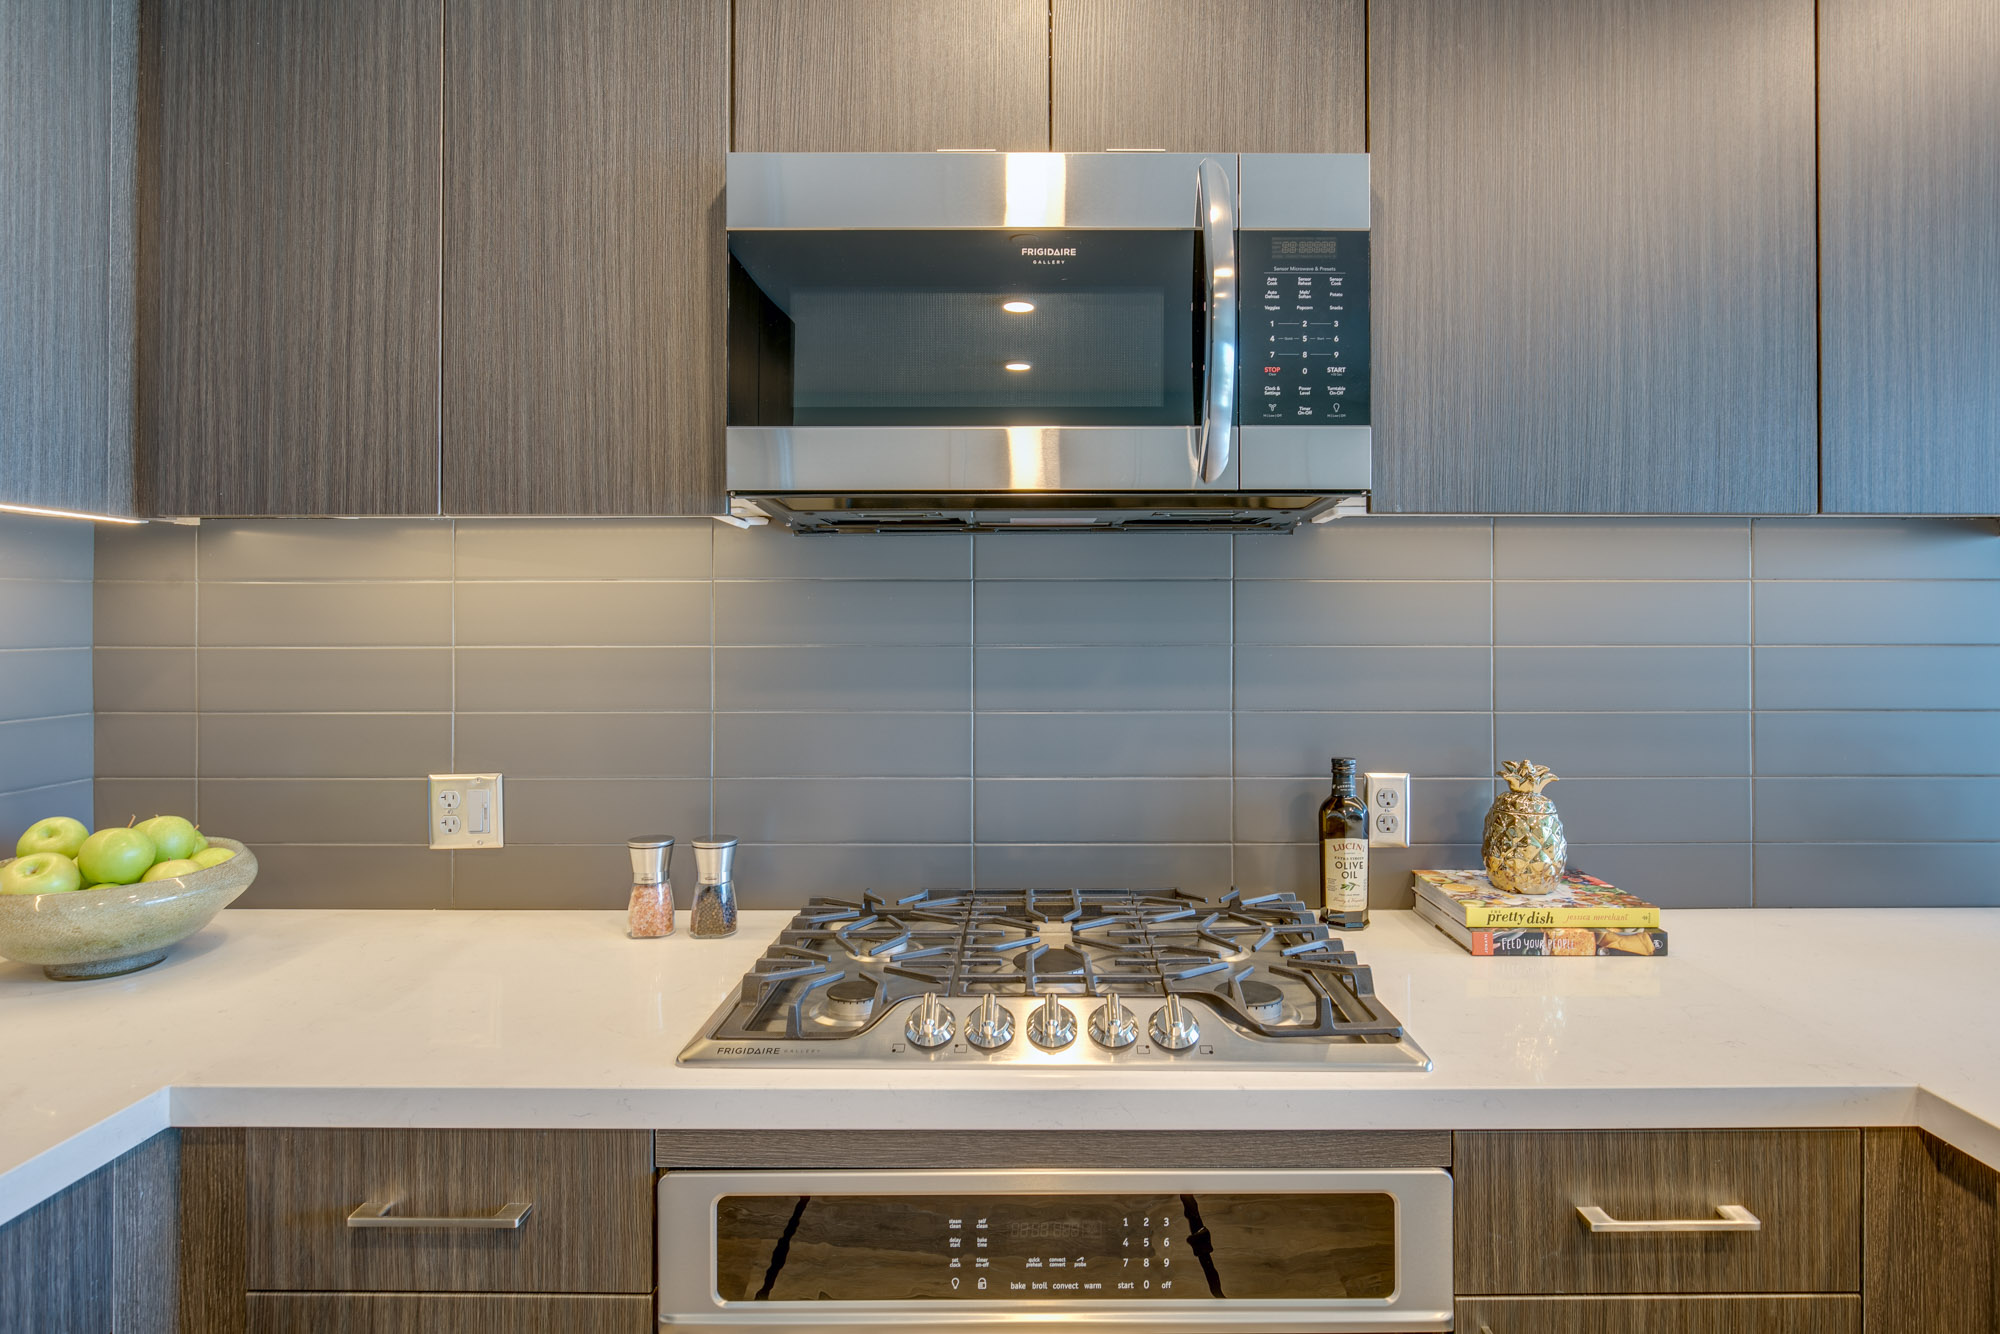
x: 972, y: 711
x: 715, y: 595
x: 1230, y: 611
x: 200, y: 540
x: 1750, y: 651
x: 451, y: 732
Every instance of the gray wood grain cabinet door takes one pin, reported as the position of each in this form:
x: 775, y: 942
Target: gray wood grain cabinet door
x: 891, y: 76
x: 288, y: 256
x: 1593, y: 256
x: 1278, y: 76
x: 56, y: 1262
x: 1910, y: 272
x: 583, y: 270
x: 66, y: 86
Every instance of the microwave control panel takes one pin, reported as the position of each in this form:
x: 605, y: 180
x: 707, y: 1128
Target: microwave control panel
x: 1303, y: 328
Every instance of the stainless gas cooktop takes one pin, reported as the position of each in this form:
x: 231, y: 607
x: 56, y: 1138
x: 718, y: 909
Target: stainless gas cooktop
x: 1058, y: 978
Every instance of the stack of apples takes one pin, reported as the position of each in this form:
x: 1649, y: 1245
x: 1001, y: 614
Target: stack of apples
x: 58, y: 855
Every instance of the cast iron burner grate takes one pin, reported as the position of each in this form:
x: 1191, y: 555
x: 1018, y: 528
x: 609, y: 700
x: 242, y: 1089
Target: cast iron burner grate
x: 1264, y: 964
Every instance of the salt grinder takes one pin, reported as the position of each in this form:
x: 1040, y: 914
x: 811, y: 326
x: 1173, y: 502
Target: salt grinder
x: 714, y: 911
x: 652, y: 912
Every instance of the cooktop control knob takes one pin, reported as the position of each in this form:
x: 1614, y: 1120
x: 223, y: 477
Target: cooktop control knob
x: 1112, y: 1025
x: 991, y: 1026
x: 1174, y: 1026
x: 1052, y: 1027
x: 931, y: 1025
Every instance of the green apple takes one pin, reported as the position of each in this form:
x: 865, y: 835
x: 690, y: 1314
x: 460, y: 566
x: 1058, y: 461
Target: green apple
x: 58, y: 833
x: 208, y: 857
x: 170, y: 868
x: 200, y: 842
x: 173, y: 837
x: 116, y: 856
x: 40, y: 873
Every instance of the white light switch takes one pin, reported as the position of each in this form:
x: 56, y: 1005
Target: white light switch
x: 465, y: 811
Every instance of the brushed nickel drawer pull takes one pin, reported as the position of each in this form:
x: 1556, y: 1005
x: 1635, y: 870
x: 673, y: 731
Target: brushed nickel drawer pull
x: 1730, y: 1218
x: 372, y: 1214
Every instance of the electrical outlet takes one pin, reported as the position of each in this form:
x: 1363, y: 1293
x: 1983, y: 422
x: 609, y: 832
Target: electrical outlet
x: 465, y: 811
x: 1389, y: 810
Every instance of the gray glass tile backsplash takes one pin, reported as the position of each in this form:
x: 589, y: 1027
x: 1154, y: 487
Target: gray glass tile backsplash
x: 46, y: 742
x: 900, y: 712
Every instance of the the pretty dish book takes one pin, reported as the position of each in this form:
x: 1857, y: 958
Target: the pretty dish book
x: 1548, y: 942
x: 1469, y: 898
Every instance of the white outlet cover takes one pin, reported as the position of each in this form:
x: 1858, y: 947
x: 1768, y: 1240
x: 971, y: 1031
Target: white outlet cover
x: 1388, y: 810
x: 465, y: 812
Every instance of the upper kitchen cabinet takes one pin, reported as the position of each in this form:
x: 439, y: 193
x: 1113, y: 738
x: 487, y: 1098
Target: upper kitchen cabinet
x: 891, y: 76
x: 1910, y: 266
x: 288, y: 256
x: 1278, y: 76
x: 66, y: 87
x: 584, y: 262
x: 1594, y: 256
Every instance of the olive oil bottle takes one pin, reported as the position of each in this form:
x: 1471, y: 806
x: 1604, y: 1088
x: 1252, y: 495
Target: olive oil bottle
x: 1343, y: 851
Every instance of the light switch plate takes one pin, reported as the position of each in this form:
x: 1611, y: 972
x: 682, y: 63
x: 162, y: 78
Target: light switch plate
x: 1388, y: 810
x: 464, y: 811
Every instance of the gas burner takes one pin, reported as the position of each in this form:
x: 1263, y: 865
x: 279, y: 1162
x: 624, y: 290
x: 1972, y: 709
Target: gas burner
x: 1059, y: 960
x: 1252, y: 979
x: 850, y: 999
x: 1264, y: 1001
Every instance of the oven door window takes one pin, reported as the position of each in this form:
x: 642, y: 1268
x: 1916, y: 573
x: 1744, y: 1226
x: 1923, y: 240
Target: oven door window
x: 1207, y: 1246
x: 963, y: 328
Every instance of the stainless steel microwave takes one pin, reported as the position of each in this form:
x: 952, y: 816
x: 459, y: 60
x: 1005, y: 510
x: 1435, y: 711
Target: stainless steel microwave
x: 994, y: 341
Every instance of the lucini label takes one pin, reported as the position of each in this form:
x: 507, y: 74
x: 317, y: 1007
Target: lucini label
x: 1343, y: 873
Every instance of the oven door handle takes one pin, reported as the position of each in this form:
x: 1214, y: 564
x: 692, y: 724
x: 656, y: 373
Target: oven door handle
x: 1216, y: 200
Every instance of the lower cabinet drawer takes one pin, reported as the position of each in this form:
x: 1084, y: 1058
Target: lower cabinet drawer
x: 406, y: 1313
x: 1659, y: 1315
x: 588, y: 1228
x: 1558, y: 1213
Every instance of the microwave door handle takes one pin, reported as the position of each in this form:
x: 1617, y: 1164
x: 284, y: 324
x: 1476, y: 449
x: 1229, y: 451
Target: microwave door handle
x: 1217, y: 203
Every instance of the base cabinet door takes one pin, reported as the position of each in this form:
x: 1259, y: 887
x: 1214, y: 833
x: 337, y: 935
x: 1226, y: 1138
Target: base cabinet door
x: 1659, y: 1315
x: 414, y: 1313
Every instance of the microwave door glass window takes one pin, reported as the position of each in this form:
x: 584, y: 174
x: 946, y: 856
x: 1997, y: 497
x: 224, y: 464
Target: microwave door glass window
x: 963, y: 328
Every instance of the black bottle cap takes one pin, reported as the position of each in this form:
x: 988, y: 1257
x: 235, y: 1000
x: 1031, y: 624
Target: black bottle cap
x: 1344, y: 767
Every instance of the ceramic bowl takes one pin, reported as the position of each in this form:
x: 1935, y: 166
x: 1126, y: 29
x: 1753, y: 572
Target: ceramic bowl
x: 117, y: 929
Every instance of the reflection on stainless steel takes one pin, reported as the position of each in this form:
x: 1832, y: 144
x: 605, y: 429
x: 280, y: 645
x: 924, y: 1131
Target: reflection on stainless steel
x: 1216, y: 208
x: 1231, y: 980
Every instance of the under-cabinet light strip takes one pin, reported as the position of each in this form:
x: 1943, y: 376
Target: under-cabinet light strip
x: 67, y: 514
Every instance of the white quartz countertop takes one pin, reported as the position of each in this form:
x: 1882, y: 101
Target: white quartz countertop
x: 556, y: 1019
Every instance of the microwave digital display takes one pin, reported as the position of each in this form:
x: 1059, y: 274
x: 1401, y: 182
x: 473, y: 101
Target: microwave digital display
x: 1304, y: 329
x: 1204, y: 1246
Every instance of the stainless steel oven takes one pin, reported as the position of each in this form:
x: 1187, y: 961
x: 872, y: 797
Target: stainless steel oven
x: 1139, y: 1252
x: 1004, y: 340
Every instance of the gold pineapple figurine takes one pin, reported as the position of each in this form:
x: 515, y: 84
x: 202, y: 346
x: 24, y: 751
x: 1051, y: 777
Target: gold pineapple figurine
x: 1523, y: 847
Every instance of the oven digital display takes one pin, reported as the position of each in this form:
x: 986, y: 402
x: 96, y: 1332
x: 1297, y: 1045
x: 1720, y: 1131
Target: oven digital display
x: 1153, y: 1247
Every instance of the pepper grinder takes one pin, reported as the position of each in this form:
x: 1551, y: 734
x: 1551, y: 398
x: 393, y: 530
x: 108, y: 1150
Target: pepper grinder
x: 714, y: 911
x: 651, y: 913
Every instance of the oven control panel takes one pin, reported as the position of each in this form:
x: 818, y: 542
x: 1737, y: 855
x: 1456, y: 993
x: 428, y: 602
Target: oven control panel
x: 1303, y: 328
x: 977, y: 1250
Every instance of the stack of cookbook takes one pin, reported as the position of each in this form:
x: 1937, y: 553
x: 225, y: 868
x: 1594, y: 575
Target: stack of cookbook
x: 1584, y: 918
